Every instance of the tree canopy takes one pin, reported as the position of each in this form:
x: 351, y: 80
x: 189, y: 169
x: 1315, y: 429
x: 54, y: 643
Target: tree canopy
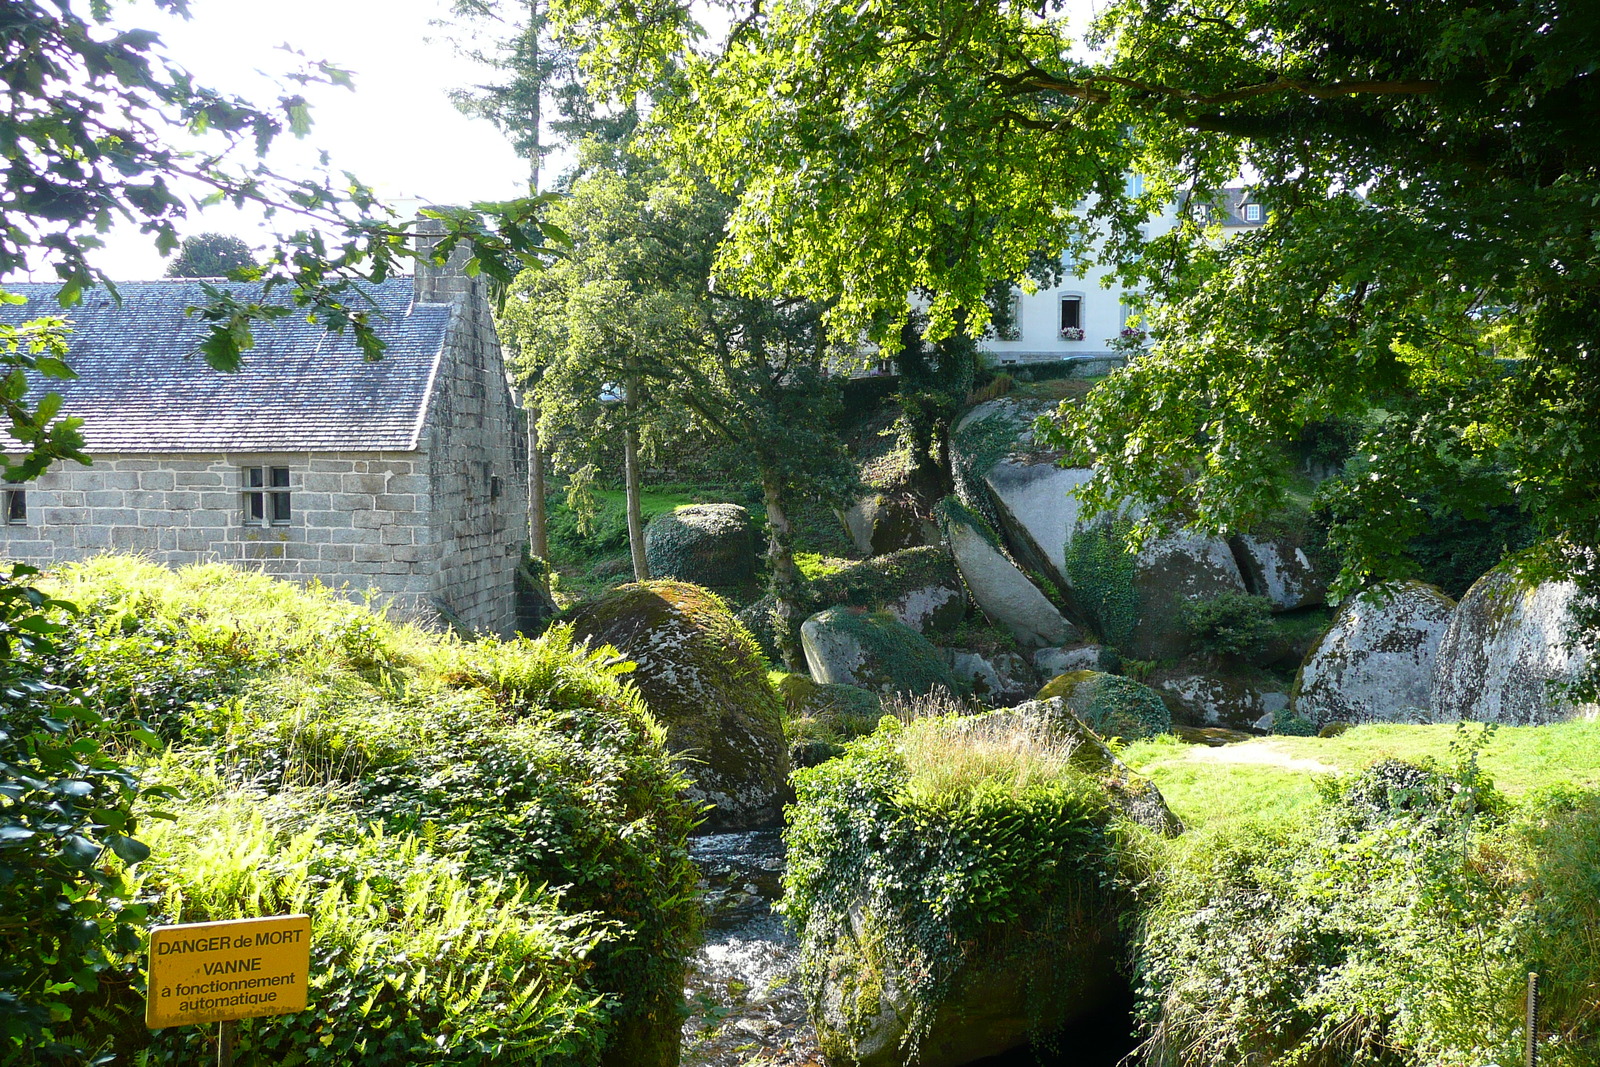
x: 210, y: 255
x: 1429, y: 268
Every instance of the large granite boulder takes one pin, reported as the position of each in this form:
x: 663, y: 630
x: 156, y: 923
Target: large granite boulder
x: 1002, y: 592
x: 931, y: 908
x: 1280, y: 569
x: 1111, y: 705
x: 919, y: 586
x: 998, y: 679
x: 872, y: 650
x: 1038, y: 509
x: 1508, y: 650
x: 1137, y: 602
x: 705, y: 544
x: 1050, y: 662
x: 1376, y: 661
x: 1232, y: 703
x: 706, y: 682
x: 887, y: 522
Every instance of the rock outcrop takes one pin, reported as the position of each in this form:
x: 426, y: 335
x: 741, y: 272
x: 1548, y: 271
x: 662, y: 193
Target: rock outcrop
x: 887, y: 522
x: 704, y: 544
x: 999, y: 679
x: 705, y: 681
x: 872, y: 650
x: 1376, y: 661
x: 1280, y: 569
x: 1050, y: 662
x: 1508, y: 650
x: 1001, y: 591
x: 1219, y: 700
x: 1111, y: 705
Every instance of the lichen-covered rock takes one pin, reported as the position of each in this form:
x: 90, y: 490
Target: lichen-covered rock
x: 1137, y: 602
x: 873, y: 650
x: 998, y: 679
x: 1280, y: 569
x: 919, y: 586
x: 943, y: 874
x: 887, y: 522
x: 1218, y: 700
x: 706, y: 682
x: 1376, y: 661
x: 1050, y: 662
x: 1112, y: 706
x: 1001, y: 591
x: 705, y: 544
x: 1038, y: 508
x: 1507, y: 651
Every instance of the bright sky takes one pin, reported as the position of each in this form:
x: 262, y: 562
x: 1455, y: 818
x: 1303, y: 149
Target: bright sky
x: 397, y: 131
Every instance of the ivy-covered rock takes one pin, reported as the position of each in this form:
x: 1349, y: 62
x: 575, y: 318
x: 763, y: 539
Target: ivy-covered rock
x: 954, y: 886
x: 704, y: 544
x: 1112, y: 705
x: 1137, y: 602
x: 705, y: 680
x: 873, y: 650
x: 919, y: 586
x: 1376, y: 661
x: 1002, y: 592
x: 1507, y: 652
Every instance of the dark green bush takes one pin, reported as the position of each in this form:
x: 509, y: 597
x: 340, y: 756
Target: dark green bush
x: 1230, y: 624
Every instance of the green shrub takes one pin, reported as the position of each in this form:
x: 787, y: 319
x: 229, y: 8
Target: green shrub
x: 489, y: 837
x: 1230, y: 624
x: 1396, y: 925
x: 1111, y: 705
x: 1100, y: 570
x: 939, y: 835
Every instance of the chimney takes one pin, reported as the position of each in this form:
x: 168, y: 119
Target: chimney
x: 439, y: 284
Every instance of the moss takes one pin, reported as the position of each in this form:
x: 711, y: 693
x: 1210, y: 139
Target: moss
x: 1100, y: 571
x: 822, y: 717
x: 1112, y: 705
x: 703, y: 676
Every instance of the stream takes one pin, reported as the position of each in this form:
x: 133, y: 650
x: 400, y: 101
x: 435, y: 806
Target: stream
x: 745, y: 1011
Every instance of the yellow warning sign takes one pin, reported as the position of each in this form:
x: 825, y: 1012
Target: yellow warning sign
x: 212, y: 972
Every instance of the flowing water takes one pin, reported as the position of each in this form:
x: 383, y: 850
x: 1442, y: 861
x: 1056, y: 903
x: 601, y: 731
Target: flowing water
x: 745, y: 1011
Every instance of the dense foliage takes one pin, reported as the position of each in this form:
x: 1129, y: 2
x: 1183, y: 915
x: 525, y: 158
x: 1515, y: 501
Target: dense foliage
x: 210, y: 255
x: 1395, y: 925
x: 489, y: 837
x: 952, y: 831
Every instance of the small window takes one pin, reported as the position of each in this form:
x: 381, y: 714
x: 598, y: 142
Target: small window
x: 1072, y: 318
x: 266, y: 496
x: 1252, y: 213
x: 494, y: 487
x: 16, y: 507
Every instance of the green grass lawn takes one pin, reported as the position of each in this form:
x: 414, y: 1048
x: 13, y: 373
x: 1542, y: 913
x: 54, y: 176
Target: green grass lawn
x: 1211, y: 788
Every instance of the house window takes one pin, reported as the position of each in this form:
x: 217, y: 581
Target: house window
x: 16, y: 507
x: 1072, y: 318
x: 266, y: 496
x: 1252, y: 213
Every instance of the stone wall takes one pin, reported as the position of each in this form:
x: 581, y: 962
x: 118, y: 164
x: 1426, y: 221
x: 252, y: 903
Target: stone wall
x: 476, y: 442
x: 357, y: 519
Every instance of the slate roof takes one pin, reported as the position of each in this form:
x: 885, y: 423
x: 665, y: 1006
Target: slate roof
x: 142, y: 387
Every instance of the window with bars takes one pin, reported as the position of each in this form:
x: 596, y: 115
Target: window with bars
x: 266, y: 496
x: 16, y: 507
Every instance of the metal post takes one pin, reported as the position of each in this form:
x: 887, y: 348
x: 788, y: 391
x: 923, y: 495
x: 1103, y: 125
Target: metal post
x: 225, y: 1034
x: 1532, y: 1028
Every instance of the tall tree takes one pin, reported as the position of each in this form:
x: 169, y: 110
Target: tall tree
x: 210, y: 255
x: 1429, y: 263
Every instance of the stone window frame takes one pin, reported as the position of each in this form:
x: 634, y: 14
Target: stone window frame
x: 16, y: 513
x: 264, y: 492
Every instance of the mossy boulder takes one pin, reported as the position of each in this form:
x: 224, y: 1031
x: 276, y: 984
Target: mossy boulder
x: 955, y: 887
x: 1376, y: 661
x: 919, y: 586
x: 872, y: 650
x: 1050, y: 662
x: 1203, y: 698
x: 1508, y: 650
x: 1007, y: 596
x: 998, y: 679
x: 705, y: 544
x: 1113, y: 706
x: 822, y: 717
x: 705, y: 680
x: 888, y: 522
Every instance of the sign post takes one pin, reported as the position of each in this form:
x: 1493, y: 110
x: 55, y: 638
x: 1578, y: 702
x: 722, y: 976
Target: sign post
x: 226, y: 971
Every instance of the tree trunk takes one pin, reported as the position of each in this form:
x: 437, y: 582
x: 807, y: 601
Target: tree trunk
x: 786, y: 579
x: 630, y: 462
x: 538, y: 518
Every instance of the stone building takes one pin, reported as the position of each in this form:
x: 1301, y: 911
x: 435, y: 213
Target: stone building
x: 405, y: 476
